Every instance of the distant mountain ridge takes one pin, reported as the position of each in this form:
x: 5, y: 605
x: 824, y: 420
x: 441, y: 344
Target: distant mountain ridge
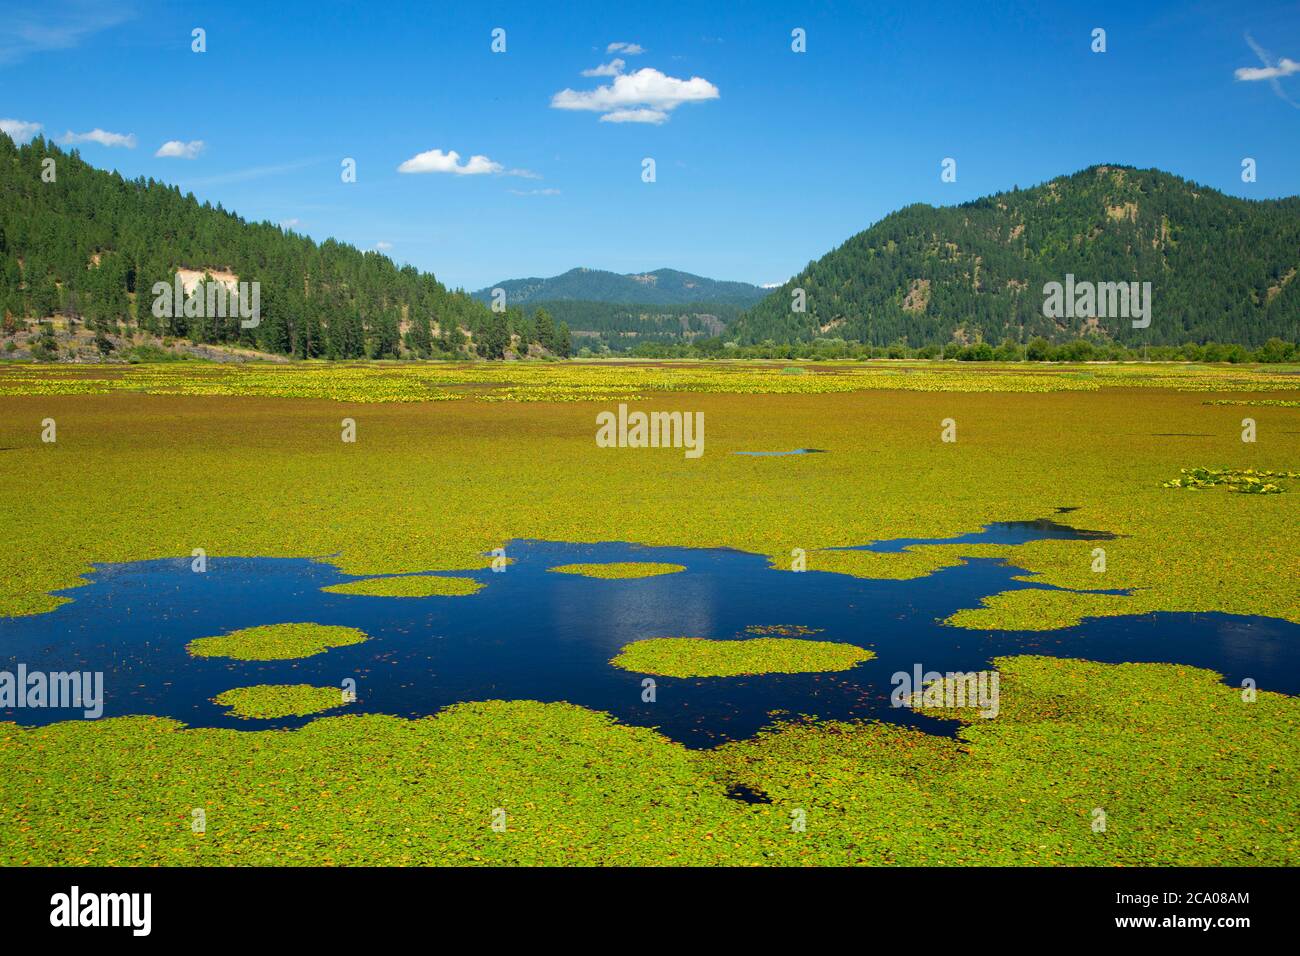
x: 1222, y: 269
x: 660, y: 287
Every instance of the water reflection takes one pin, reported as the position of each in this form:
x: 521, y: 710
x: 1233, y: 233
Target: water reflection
x: 531, y: 634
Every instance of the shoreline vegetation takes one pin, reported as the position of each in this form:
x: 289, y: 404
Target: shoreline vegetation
x: 622, y: 380
x: 1037, y: 349
x: 38, y: 342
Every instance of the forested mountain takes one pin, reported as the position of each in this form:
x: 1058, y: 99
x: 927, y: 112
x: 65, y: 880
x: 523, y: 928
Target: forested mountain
x: 623, y: 326
x: 1222, y: 269
x: 661, y: 287
x: 88, y: 246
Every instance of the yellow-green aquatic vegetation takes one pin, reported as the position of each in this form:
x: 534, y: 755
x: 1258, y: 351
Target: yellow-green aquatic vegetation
x: 611, y: 381
x: 782, y: 630
x: 974, y: 691
x: 1274, y: 402
x: 1034, y: 609
x: 1244, y: 480
x: 619, y: 570
x: 700, y: 657
x: 270, y: 477
x: 412, y: 585
x: 276, y: 642
x: 280, y: 700
x: 1186, y: 771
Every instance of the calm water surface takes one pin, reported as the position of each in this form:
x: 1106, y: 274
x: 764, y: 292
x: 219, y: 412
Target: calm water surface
x: 530, y: 634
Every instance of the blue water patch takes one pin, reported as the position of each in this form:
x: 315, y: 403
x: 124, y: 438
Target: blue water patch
x: 999, y: 532
x: 533, y: 634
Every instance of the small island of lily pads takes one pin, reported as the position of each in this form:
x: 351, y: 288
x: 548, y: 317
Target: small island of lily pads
x: 619, y: 570
x: 276, y: 642
x: 409, y: 585
x: 270, y: 701
x: 701, y: 657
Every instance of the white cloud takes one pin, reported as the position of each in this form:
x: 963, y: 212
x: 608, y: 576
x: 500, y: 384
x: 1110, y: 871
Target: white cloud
x: 436, y: 161
x: 535, y: 192
x: 646, y: 96
x: 628, y: 49
x: 612, y: 68
x: 290, y: 223
x: 1284, y: 67
x: 102, y: 137
x: 20, y: 131
x: 635, y: 116
x: 1269, y: 71
x: 383, y: 246
x: 771, y: 285
x: 178, y: 150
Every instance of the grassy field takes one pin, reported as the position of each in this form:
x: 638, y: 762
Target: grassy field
x: 451, y: 462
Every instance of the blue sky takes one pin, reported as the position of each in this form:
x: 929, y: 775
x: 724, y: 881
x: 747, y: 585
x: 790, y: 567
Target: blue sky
x: 765, y: 158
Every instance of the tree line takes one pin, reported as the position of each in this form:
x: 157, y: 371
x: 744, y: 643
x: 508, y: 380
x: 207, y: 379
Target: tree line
x: 89, y: 246
x: 1038, y: 349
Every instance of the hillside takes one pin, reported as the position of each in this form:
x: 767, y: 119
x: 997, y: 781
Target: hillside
x: 89, y: 246
x: 661, y: 287
x: 620, y: 327
x: 1222, y: 269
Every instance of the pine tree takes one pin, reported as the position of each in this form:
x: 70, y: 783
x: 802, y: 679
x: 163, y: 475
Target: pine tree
x: 546, y: 330
x: 495, y: 337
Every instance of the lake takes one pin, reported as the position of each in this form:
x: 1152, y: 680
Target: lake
x: 530, y: 634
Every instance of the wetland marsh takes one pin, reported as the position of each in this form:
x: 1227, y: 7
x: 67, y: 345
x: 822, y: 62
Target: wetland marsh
x: 478, y: 688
